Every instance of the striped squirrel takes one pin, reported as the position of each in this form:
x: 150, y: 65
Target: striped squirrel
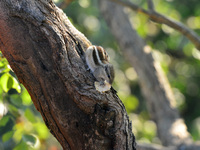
x: 97, y: 60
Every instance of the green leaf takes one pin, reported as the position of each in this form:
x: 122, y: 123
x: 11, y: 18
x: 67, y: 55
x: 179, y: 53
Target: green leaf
x: 1, y: 94
x: 42, y: 130
x: 29, y: 139
x: 7, y: 136
x: 16, y: 99
x: 3, y: 81
x: 2, y: 65
x: 21, y: 146
x: 26, y: 99
x: 16, y: 85
x: 13, y: 110
x: 29, y: 115
x: 9, y: 82
x: 4, y: 120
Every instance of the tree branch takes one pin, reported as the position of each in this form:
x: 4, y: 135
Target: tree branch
x: 46, y: 52
x: 64, y: 4
x: 153, y: 82
x: 159, y: 18
x: 145, y: 146
x: 150, y: 5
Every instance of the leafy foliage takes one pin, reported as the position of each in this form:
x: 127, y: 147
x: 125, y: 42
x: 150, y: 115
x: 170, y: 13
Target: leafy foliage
x: 21, y: 126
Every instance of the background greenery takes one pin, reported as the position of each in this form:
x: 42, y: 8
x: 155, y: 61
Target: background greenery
x: 22, y: 126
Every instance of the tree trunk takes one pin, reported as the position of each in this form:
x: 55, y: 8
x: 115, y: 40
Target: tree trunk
x: 47, y: 54
x: 153, y: 82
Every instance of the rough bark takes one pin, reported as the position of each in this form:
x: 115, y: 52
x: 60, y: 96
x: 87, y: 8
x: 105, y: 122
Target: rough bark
x: 47, y: 54
x: 154, y: 85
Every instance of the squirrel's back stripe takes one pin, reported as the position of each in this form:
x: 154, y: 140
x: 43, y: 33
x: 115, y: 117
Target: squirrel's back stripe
x: 102, y: 53
x: 95, y: 56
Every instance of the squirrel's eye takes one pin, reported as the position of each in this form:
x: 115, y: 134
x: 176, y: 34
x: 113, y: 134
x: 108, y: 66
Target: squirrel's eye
x: 109, y: 76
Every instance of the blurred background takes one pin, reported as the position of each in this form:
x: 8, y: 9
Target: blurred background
x: 21, y: 125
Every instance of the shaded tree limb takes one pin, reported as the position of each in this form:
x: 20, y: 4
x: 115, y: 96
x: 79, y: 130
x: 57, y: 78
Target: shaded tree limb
x: 159, y: 18
x: 160, y: 100
x: 64, y: 3
x: 145, y: 146
x: 46, y: 53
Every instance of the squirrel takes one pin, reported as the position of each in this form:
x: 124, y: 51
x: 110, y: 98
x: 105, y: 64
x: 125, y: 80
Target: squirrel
x: 97, y: 60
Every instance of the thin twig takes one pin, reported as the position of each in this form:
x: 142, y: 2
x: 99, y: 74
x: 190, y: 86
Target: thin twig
x: 159, y: 18
x: 150, y: 5
x: 152, y: 146
x: 64, y: 4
